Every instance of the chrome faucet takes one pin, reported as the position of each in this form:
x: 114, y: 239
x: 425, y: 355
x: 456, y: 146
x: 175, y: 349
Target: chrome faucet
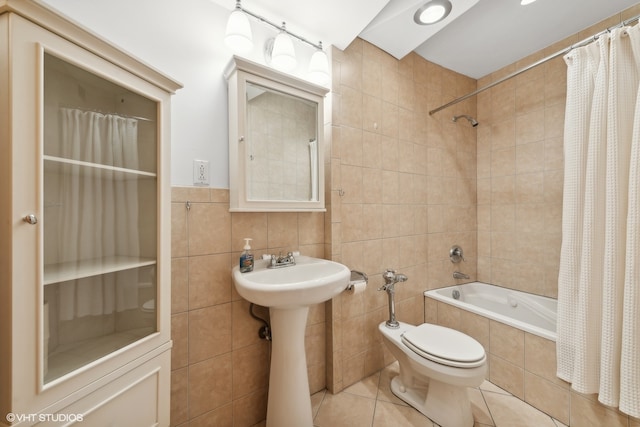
x: 282, y: 261
x: 390, y: 279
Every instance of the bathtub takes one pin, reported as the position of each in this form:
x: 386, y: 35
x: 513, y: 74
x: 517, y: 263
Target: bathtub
x: 531, y: 313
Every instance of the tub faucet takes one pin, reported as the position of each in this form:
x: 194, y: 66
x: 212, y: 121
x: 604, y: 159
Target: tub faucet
x: 390, y: 279
x: 460, y: 275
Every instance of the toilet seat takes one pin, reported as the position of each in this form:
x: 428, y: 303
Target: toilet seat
x: 444, y: 345
x: 149, y: 306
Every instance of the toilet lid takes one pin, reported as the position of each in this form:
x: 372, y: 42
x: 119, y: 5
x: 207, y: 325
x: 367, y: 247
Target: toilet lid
x: 444, y: 345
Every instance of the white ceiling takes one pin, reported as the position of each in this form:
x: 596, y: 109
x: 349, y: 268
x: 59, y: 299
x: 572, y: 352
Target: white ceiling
x: 479, y: 36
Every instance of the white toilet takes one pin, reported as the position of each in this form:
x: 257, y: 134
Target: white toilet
x: 437, y: 364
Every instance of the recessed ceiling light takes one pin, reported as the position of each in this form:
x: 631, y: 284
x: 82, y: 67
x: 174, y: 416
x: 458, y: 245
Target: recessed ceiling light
x: 432, y: 12
x: 526, y: 2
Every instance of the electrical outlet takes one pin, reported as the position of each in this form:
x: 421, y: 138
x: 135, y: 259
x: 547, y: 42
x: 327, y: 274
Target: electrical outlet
x: 201, y: 172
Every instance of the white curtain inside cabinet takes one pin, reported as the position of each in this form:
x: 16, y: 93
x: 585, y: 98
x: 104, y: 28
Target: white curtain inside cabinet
x: 100, y: 210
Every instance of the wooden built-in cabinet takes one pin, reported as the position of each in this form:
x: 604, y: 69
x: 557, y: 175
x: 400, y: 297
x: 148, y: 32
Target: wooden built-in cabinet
x: 84, y: 227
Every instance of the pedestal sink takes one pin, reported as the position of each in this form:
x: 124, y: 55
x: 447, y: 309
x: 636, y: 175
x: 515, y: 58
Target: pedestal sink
x: 288, y: 292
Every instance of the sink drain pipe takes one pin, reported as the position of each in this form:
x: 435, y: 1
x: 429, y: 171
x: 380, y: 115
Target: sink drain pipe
x: 265, y: 331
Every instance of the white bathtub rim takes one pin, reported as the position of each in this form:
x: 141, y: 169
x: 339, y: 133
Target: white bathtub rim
x: 524, y: 326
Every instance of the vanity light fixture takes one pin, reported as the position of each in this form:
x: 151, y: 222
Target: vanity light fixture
x: 279, y: 51
x: 319, y: 66
x: 432, y: 12
x: 526, y: 2
x: 238, y: 35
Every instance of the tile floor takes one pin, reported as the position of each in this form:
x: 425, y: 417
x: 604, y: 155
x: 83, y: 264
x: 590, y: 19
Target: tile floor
x: 370, y: 403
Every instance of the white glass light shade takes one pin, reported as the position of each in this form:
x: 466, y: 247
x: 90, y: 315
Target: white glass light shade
x: 526, y: 2
x: 238, y: 36
x: 283, y: 55
x: 319, y: 68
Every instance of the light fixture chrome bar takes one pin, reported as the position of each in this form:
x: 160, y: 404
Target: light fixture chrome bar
x: 277, y: 27
x: 535, y: 64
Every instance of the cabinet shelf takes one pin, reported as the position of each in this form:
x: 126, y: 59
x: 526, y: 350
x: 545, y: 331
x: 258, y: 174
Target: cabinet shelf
x: 69, y: 357
x: 61, y: 165
x: 55, y: 273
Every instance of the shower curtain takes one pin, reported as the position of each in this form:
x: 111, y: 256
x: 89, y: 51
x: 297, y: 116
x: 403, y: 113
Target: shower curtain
x: 598, y: 344
x: 101, y: 210
x: 313, y: 160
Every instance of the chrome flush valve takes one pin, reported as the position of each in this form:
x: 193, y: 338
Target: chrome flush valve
x: 390, y: 279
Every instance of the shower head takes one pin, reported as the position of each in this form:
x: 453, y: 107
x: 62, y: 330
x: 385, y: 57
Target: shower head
x: 471, y: 120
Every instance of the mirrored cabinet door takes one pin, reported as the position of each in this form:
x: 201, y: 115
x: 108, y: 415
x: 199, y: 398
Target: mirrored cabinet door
x: 99, y: 217
x: 282, y: 146
x: 276, y: 140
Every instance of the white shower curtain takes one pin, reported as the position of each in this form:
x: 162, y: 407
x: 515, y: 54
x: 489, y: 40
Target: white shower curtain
x: 598, y: 344
x: 101, y: 210
x: 313, y: 160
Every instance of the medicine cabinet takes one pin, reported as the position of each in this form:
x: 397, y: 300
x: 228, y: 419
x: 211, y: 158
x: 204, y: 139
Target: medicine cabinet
x: 276, y: 143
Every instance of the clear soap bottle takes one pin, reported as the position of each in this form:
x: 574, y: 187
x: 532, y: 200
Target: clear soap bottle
x: 246, y: 258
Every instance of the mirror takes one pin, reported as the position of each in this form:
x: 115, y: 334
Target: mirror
x: 275, y: 140
x: 282, y: 146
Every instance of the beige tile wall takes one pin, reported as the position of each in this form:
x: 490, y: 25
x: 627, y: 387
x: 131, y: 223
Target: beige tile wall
x: 220, y: 368
x: 520, y: 170
x: 520, y: 177
x: 403, y: 191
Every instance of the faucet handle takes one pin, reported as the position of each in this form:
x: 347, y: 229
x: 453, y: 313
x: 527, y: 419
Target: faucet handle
x: 456, y: 254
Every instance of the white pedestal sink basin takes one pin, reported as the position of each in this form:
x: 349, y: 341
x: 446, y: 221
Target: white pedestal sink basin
x: 288, y: 292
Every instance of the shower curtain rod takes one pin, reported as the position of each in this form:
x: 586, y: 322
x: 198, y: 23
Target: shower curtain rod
x: 93, y: 110
x: 535, y: 64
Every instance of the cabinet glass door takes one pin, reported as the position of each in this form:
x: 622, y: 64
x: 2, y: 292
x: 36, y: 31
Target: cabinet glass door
x: 99, y: 219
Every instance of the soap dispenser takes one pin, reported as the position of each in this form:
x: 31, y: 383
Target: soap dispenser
x: 246, y: 258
